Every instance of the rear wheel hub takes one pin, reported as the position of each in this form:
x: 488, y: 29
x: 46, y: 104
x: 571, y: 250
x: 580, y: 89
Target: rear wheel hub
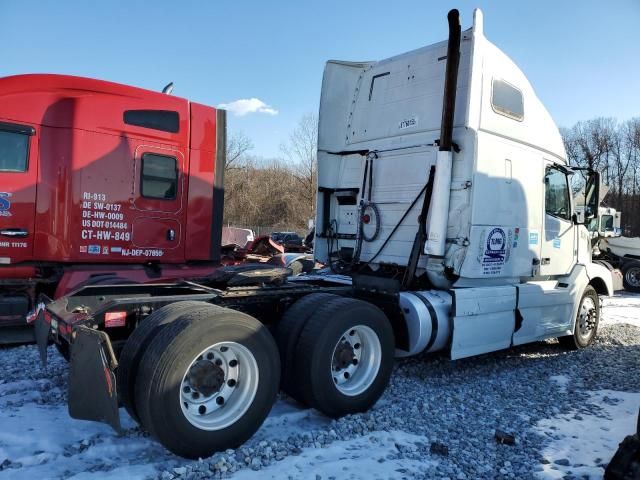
x: 344, y: 356
x: 206, y: 377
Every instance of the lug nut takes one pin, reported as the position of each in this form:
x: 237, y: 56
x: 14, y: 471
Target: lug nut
x: 202, y: 410
x: 233, y: 363
x: 209, y: 356
x: 218, y: 362
x: 220, y: 400
x: 186, y: 389
x: 231, y: 382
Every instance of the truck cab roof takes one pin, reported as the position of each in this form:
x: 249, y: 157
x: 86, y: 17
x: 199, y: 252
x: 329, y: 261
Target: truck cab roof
x: 66, y: 101
x: 397, y: 101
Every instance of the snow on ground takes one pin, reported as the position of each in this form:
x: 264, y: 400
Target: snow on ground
x: 581, y: 444
x: 623, y: 308
x: 567, y: 410
x: 561, y: 381
x: 374, y: 456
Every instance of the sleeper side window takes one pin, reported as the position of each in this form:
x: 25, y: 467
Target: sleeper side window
x: 14, y: 151
x: 507, y: 100
x: 159, y: 177
x: 556, y: 194
x: 163, y: 120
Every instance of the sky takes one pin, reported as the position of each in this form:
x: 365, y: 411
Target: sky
x: 264, y: 60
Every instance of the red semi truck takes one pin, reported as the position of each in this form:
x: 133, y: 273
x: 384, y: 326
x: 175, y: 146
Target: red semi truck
x: 102, y: 183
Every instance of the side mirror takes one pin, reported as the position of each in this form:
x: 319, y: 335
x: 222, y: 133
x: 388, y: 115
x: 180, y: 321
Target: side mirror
x: 591, y: 196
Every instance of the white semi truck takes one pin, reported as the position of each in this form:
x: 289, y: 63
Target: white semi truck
x: 445, y: 215
x: 502, y: 259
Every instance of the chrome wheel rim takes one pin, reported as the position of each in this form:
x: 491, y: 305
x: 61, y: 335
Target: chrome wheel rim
x: 219, y: 386
x: 587, y: 318
x: 632, y: 276
x: 356, y: 360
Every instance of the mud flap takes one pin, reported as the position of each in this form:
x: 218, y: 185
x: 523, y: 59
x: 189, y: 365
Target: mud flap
x: 92, y: 382
x: 42, y: 336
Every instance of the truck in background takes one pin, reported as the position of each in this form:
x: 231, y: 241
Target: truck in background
x: 619, y: 254
x: 102, y: 183
x: 446, y: 216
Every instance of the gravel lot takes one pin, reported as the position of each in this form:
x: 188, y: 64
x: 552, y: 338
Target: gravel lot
x: 437, y: 419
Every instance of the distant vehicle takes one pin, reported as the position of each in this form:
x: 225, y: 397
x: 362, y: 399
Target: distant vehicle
x: 287, y: 238
x: 237, y: 236
x: 621, y: 255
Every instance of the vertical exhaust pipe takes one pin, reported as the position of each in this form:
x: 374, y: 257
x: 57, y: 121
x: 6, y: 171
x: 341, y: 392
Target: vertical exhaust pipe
x: 439, y: 211
x: 450, y: 81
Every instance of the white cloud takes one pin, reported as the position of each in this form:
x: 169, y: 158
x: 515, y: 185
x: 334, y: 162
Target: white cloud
x: 244, y: 106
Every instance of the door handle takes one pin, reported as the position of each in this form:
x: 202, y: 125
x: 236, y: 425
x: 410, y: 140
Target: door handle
x: 545, y: 261
x: 14, y: 232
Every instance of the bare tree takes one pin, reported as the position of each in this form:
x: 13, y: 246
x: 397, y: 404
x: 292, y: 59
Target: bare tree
x: 589, y: 143
x: 613, y: 149
x: 301, y: 152
x: 238, y: 146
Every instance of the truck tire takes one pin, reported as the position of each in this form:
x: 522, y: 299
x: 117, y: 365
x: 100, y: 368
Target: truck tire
x: 135, y: 346
x: 631, y: 277
x: 345, y: 357
x: 287, y: 334
x: 586, y: 325
x: 204, y: 360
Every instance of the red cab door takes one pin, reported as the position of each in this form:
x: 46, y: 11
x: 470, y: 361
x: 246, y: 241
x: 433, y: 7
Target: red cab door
x: 159, y: 203
x: 18, y: 179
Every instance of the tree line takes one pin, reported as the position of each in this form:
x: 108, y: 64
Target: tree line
x: 612, y: 148
x: 275, y: 194
x: 279, y: 193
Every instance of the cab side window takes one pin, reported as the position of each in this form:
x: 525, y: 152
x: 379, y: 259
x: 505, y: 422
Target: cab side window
x: 556, y: 194
x: 159, y: 177
x: 14, y: 151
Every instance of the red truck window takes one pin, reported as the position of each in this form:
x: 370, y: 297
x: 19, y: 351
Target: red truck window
x: 159, y: 177
x: 163, y: 120
x: 14, y: 149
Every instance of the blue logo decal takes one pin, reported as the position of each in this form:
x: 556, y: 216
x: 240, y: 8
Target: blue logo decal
x: 94, y: 249
x: 5, y: 204
x: 556, y: 243
x: 533, y: 238
x: 496, y: 246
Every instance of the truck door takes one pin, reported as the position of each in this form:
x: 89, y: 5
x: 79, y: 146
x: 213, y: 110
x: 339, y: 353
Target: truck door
x: 558, y: 244
x: 18, y: 177
x: 159, y: 203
